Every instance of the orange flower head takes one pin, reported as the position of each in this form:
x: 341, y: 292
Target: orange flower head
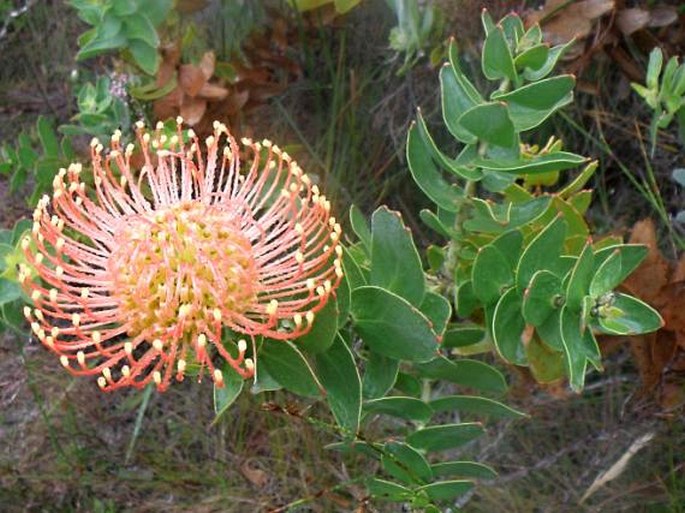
x: 137, y: 276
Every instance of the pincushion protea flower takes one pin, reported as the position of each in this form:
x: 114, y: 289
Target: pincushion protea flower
x: 139, y: 277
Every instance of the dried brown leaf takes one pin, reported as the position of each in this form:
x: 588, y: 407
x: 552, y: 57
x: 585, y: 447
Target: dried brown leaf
x: 212, y: 92
x: 192, y: 110
x: 652, y: 275
x: 255, y: 476
x: 631, y: 20
x: 207, y: 64
x: 191, y: 79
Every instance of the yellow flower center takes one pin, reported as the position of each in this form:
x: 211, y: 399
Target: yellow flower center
x: 179, y: 270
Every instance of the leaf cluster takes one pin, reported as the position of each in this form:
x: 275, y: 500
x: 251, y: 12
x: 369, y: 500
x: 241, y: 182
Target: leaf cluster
x: 521, y: 262
x: 664, y: 93
x: 125, y: 25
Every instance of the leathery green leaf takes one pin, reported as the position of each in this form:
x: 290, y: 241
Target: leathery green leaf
x: 446, y: 490
x: 408, y: 408
x: 466, y: 469
x: 490, y: 122
x: 321, y: 335
x: 627, y: 315
x: 226, y: 395
x: 541, y: 297
x: 286, y: 364
x: 541, y: 253
x: 437, y: 309
x: 405, y: 463
x: 339, y: 376
x: 446, y: 436
x: 475, y: 404
x: 579, y: 347
x: 531, y: 104
x: 579, y: 281
x: 387, y: 490
x: 455, y: 101
x: 608, y: 275
x: 491, y: 274
x: 427, y: 175
x: 469, y: 373
x: 380, y: 374
x: 392, y: 326
x: 508, y: 327
x: 497, y: 61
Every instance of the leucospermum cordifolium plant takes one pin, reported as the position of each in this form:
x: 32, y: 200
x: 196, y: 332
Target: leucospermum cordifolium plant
x: 521, y: 262
x: 172, y: 257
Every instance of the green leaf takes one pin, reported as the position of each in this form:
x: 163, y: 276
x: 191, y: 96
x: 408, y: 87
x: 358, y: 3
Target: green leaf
x: 157, y: 11
x: 533, y: 58
x: 405, y: 463
x: 263, y: 381
x: 344, y: 300
x: 491, y: 274
x: 446, y: 436
x: 392, y: 326
x: 468, y: 469
x: 339, y: 376
x: 124, y: 7
x: 461, y: 336
x: 153, y: 91
x: 542, y: 253
x: 395, y: 262
x: 509, y: 244
x: 608, y: 275
x: 379, y: 376
x: 474, y: 404
x: 469, y: 373
x: 541, y: 296
x: 107, y: 36
x: 145, y: 56
x: 531, y: 104
x: 579, y: 347
x: 321, y: 335
x: 452, y: 165
x: 286, y: 364
x: 457, y: 97
x: 139, y: 27
x: 552, y: 58
x: 225, y: 396
x: 48, y: 139
x: 427, y: 175
x: 630, y: 316
x: 579, y: 281
x: 438, y: 310
x: 496, y: 60
x: 631, y: 257
x: 353, y: 274
x: 399, y: 406
x: 556, y: 161
x: 435, y: 223
x: 408, y: 385
x: 387, y: 490
x: 508, y: 327
x: 446, y: 490
x: 656, y: 61
x: 513, y: 29
x: 465, y: 300
x: 360, y: 227
x: 577, y: 184
x: 490, y: 122
x: 9, y: 291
